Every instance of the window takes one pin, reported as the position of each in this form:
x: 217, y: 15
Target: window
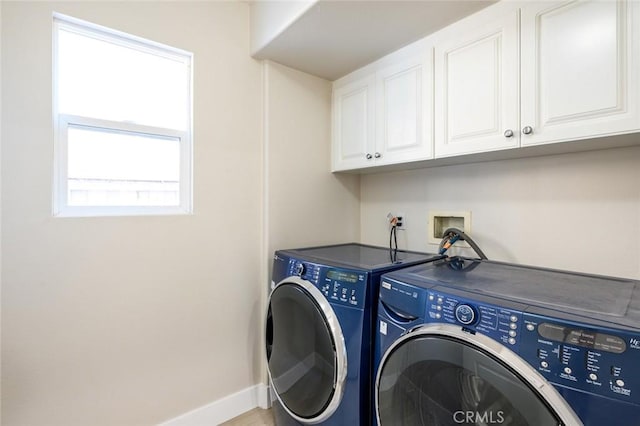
x: 122, y: 119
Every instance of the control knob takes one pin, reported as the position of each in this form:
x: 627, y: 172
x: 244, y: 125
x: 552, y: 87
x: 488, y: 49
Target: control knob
x: 300, y: 269
x: 465, y: 314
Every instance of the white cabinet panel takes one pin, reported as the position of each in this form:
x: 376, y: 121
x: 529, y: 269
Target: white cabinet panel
x: 385, y: 117
x: 404, y: 111
x: 477, y: 88
x: 473, y: 89
x: 353, y: 124
x: 579, y: 69
x: 354, y: 128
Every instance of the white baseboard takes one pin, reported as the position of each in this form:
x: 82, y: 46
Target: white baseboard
x: 224, y: 409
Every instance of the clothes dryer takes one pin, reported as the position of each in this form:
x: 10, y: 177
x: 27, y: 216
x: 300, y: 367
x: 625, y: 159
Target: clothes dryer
x: 319, y: 330
x: 463, y: 342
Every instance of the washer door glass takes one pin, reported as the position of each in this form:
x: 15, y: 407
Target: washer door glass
x: 300, y: 351
x: 435, y: 380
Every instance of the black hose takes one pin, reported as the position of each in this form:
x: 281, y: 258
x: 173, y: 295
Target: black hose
x: 464, y: 237
x: 393, y: 251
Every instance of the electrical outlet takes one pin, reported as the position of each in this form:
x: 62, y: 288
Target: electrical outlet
x: 440, y: 221
x: 399, y: 218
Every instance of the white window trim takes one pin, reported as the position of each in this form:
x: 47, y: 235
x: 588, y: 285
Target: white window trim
x: 99, y: 32
x: 61, y: 123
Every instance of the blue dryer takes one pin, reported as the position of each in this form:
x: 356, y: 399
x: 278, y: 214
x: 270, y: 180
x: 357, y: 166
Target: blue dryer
x: 464, y: 342
x: 319, y: 330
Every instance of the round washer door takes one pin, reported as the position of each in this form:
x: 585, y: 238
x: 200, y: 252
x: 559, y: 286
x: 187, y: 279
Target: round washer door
x: 441, y: 375
x: 306, y: 353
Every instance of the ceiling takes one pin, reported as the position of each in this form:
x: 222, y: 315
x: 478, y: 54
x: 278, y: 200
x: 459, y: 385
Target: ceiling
x: 333, y: 38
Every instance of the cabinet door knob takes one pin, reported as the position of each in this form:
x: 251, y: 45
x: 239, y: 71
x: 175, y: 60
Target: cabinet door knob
x: 527, y: 130
x: 508, y: 133
x: 369, y: 156
x: 378, y: 155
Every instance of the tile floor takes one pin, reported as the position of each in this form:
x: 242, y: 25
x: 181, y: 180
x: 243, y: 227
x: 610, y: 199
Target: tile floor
x: 255, y: 417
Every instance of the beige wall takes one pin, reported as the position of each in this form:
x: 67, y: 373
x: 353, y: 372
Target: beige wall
x: 305, y: 204
x: 0, y: 199
x: 131, y: 320
x: 574, y: 211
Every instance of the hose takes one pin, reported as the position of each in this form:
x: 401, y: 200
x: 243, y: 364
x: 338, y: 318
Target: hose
x: 451, y: 235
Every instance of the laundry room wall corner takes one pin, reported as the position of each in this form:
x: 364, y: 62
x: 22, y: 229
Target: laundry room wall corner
x: 0, y: 197
x: 259, y: 364
x: 304, y: 204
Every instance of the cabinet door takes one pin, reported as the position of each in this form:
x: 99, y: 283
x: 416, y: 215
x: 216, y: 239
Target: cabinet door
x: 580, y: 69
x: 353, y: 124
x: 477, y: 85
x: 404, y: 111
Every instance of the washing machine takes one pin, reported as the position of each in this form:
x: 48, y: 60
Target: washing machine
x: 319, y: 330
x: 464, y: 342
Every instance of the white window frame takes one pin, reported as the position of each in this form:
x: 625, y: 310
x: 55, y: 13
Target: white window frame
x: 62, y: 122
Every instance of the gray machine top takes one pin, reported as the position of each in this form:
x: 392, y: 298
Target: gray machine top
x: 608, y: 299
x: 361, y: 256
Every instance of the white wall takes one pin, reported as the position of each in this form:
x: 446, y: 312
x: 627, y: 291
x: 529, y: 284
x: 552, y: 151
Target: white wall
x: 306, y: 205
x: 131, y: 320
x: 574, y: 211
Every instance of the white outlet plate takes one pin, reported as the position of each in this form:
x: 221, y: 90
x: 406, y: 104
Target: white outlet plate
x: 399, y: 214
x: 440, y: 220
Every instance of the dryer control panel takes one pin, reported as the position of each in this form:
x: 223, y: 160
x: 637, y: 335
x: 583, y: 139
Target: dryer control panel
x: 599, y: 361
x: 339, y: 285
x: 499, y: 323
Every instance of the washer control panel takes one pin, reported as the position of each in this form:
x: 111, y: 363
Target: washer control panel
x: 599, y: 361
x: 497, y: 322
x: 338, y: 285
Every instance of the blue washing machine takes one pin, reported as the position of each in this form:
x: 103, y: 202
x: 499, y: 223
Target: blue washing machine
x: 319, y: 330
x: 480, y: 342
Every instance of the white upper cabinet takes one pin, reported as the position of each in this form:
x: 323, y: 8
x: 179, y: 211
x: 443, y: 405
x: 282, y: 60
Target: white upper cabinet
x: 476, y: 85
x: 580, y: 70
x: 574, y: 77
x: 384, y: 117
x: 516, y: 74
x: 404, y: 111
x: 353, y: 124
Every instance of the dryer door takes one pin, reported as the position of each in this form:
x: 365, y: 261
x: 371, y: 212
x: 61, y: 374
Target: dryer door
x: 441, y: 375
x: 306, y: 353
